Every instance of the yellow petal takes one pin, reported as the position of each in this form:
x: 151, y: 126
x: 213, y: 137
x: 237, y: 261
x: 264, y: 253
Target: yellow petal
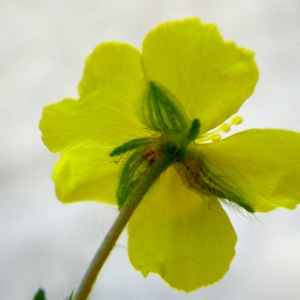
x: 185, y: 238
x: 92, y: 121
x: 104, y: 116
x: 112, y: 65
x: 260, y: 166
x: 86, y: 173
x: 211, y: 78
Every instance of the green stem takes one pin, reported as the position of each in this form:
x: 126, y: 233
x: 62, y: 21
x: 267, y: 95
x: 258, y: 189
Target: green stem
x: 111, y: 238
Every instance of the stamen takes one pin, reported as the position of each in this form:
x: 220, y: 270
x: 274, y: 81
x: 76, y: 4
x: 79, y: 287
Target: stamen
x: 209, y: 137
x: 214, y: 135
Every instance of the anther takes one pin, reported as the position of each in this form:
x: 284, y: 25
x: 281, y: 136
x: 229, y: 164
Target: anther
x: 215, y: 138
x: 236, y: 120
x: 224, y: 127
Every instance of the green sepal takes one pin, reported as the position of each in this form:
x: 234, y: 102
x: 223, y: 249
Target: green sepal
x: 172, y: 150
x: 135, y: 168
x: 161, y: 111
x: 194, y: 130
x: 40, y: 295
x: 131, y: 145
x: 139, y: 163
x: 198, y: 177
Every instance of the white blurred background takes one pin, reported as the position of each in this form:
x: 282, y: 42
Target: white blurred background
x: 43, y: 243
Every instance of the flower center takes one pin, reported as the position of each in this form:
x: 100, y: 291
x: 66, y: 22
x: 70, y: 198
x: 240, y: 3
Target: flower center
x: 164, y: 114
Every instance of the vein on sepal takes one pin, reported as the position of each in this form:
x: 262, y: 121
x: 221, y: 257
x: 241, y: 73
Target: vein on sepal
x: 135, y: 168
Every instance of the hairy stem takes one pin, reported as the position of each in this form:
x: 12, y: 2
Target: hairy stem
x: 111, y: 238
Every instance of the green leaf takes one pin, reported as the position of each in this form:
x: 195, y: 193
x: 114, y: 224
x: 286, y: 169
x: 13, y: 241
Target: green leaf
x: 40, y: 295
x: 71, y: 296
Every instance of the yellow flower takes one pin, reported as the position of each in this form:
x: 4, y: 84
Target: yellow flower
x: 133, y: 106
